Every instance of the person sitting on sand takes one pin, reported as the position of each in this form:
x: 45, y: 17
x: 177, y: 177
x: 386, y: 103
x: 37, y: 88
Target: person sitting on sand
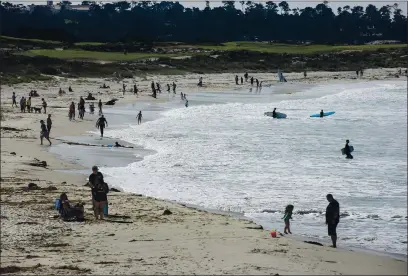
x: 67, y: 210
x: 44, y: 133
x: 287, y: 217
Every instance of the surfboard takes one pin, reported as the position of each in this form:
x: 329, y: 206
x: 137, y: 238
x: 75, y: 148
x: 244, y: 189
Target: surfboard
x: 324, y: 114
x: 279, y: 115
x: 351, y: 150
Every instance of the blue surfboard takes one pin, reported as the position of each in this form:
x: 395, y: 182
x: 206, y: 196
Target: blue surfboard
x: 324, y: 114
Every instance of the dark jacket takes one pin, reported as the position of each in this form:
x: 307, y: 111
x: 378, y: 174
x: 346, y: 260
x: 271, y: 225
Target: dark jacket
x: 333, y: 212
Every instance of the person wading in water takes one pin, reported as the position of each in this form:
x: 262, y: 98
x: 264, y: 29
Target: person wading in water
x: 139, y: 118
x: 101, y: 124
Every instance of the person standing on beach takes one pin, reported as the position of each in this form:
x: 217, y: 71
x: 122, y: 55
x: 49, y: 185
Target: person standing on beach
x: 168, y: 88
x: 287, y: 217
x: 246, y: 76
x: 124, y: 88
x: 44, y: 105
x: 101, y: 124
x: 174, y: 87
x: 252, y: 80
x: 135, y: 89
x: 14, y: 100
x: 49, y: 124
x: 44, y: 133
x: 139, y: 117
x: 28, y: 104
x: 304, y: 74
x: 100, y: 107
x: 236, y: 79
x: 71, y: 112
x: 22, y: 104
x: 99, y: 190
x: 242, y: 80
x: 158, y: 87
x: 332, y: 218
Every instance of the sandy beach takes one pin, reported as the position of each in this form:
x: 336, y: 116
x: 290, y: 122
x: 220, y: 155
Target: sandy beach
x: 138, y: 237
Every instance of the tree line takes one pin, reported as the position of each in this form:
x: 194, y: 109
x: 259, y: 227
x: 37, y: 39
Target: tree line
x: 170, y: 21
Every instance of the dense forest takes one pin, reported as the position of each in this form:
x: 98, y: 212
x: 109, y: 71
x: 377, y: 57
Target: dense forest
x: 234, y: 21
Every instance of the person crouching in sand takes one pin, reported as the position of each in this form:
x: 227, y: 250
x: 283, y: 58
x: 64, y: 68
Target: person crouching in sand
x: 287, y: 217
x: 44, y: 133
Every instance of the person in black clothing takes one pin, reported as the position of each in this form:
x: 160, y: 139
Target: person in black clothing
x: 139, y: 118
x: 100, y: 107
x: 101, y: 124
x: 274, y: 113
x: 246, y: 76
x: 135, y: 90
x: 321, y: 113
x: 99, y: 191
x: 252, y: 80
x: 242, y: 80
x: 49, y: 124
x: 347, y: 150
x: 332, y: 218
x: 44, y: 133
x: 236, y: 79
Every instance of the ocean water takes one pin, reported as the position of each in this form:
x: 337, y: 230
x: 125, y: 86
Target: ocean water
x: 222, y: 152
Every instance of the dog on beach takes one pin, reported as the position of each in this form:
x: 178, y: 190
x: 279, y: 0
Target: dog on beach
x: 36, y: 109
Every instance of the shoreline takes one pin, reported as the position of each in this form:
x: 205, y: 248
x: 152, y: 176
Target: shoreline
x: 180, y: 211
x: 242, y: 216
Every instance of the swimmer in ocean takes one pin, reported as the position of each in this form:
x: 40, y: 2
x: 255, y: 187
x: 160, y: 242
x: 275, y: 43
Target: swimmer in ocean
x: 274, y: 113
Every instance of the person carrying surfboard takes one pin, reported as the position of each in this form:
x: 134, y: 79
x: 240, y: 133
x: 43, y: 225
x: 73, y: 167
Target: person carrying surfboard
x: 321, y: 113
x: 347, y: 150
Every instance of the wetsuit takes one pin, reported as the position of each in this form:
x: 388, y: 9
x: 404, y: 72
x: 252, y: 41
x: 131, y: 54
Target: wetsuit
x: 139, y: 118
x: 274, y: 114
x: 321, y: 114
x: 347, y: 151
x: 101, y: 124
x: 332, y: 217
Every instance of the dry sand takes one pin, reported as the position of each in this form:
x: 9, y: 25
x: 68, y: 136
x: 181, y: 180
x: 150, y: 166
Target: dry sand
x: 138, y: 238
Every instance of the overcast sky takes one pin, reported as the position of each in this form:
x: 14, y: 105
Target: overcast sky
x: 300, y: 4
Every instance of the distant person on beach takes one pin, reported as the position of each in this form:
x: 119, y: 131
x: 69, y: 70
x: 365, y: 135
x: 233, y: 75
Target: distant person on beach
x: 153, y: 87
x: 304, y: 74
x: 70, y: 89
x: 28, y: 105
x: 332, y: 218
x: 321, y: 113
x: 252, y: 80
x: 14, y: 100
x: 246, y: 76
x: 99, y: 191
x: 257, y: 83
x: 361, y: 72
x: 357, y: 73
x: 100, y: 107
x: 49, y: 124
x: 124, y: 88
x: 71, y: 112
x: 236, y: 79
x: 174, y: 87
x: 22, y: 104
x: 101, y: 123
x: 135, y: 89
x: 200, y: 82
x: 139, y: 117
x: 158, y: 87
x: 347, y: 150
x: 181, y: 96
x: 287, y: 217
x: 44, y: 133
x: 168, y: 88
x: 44, y: 105
x: 242, y: 80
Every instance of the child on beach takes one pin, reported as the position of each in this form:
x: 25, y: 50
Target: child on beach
x: 287, y: 217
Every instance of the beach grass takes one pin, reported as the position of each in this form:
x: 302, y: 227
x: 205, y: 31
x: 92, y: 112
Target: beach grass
x: 92, y: 55
x: 280, y: 48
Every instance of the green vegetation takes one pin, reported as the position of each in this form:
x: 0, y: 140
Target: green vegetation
x: 89, y: 44
x: 279, y: 48
x: 28, y: 40
x: 91, y: 55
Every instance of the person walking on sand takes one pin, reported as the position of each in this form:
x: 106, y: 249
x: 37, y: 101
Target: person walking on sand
x: 14, y: 100
x: 257, y: 83
x: 124, y: 88
x: 99, y: 190
x: 287, y: 217
x: 139, y: 117
x: 71, y: 112
x: 44, y: 105
x: 28, y: 105
x: 158, y: 87
x: 101, y: 123
x: 49, y: 124
x: 168, y: 88
x: 44, y: 133
x: 100, y: 107
x: 332, y: 218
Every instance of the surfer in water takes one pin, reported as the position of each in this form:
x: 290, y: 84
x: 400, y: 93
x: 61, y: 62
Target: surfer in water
x: 101, y: 124
x: 186, y: 103
x: 274, y: 113
x: 139, y: 117
x: 347, y: 150
x: 321, y: 113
